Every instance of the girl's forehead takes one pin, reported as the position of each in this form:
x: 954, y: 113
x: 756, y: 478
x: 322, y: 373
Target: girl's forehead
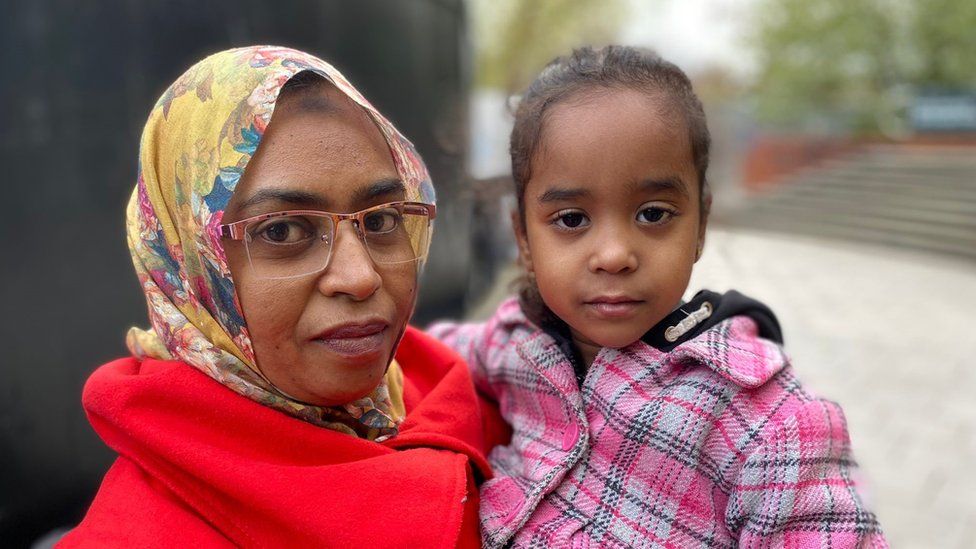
x: 616, y: 113
x: 617, y: 142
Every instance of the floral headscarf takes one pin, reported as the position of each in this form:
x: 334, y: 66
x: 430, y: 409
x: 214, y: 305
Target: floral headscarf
x: 195, y: 147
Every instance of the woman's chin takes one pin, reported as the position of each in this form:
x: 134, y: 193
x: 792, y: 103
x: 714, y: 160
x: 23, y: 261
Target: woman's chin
x: 327, y: 378
x: 358, y: 384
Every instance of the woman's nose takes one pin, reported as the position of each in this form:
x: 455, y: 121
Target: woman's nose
x: 351, y: 270
x: 613, y: 254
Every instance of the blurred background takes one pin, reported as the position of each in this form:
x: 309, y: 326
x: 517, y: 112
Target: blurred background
x: 843, y: 169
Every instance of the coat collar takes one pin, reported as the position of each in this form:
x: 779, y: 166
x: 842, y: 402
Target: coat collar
x: 740, y: 340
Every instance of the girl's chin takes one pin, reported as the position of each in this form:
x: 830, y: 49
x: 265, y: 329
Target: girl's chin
x: 614, y: 340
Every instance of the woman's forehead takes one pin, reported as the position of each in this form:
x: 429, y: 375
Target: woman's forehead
x: 333, y: 159
x: 214, y: 121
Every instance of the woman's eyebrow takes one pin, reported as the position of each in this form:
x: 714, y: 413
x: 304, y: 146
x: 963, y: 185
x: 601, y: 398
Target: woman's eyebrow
x: 558, y: 195
x: 656, y: 185
x: 383, y: 187
x: 301, y: 198
x: 316, y: 202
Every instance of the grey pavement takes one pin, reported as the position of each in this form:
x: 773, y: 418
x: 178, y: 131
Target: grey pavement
x: 889, y: 335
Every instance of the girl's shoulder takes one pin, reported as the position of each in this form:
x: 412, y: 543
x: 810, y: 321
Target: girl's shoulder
x: 732, y: 335
x: 734, y: 350
x: 739, y: 355
x: 508, y: 324
x: 509, y: 317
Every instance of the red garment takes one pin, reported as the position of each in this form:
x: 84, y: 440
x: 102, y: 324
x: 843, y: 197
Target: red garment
x: 200, y: 465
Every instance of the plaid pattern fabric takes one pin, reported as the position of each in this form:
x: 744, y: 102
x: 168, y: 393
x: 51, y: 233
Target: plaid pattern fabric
x: 714, y: 444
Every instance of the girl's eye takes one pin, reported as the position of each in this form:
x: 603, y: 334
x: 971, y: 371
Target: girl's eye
x: 288, y: 230
x: 571, y: 220
x: 381, y: 222
x: 654, y: 215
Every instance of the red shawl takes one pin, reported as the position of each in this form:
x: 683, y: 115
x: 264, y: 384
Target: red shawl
x: 200, y: 465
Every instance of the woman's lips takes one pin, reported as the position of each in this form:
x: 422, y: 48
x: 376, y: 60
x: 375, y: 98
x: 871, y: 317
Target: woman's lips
x: 613, y: 307
x: 354, y: 340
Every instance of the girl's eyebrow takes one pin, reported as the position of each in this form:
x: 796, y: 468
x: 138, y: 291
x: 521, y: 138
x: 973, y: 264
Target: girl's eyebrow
x: 559, y: 195
x: 669, y: 183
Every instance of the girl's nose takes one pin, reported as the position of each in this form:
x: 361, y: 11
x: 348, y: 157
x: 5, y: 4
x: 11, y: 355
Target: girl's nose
x: 613, y: 254
x: 351, y: 270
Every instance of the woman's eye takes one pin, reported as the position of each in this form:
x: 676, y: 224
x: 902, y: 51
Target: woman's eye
x: 572, y: 220
x: 383, y: 221
x: 654, y: 215
x: 285, y: 231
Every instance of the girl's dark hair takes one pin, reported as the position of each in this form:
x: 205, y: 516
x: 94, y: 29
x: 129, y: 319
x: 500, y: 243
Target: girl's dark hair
x: 589, y: 70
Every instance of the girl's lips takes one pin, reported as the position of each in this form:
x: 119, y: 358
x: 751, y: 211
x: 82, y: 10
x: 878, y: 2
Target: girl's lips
x: 354, y: 340
x: 613, y: 308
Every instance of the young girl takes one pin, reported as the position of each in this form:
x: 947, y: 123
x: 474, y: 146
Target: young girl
x: 640, y: 420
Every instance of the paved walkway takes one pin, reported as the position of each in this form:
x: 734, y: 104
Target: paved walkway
x: 890, y: 336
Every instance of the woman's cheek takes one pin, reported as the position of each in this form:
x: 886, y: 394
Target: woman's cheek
x: 271, y: 311
x: 400, y: 282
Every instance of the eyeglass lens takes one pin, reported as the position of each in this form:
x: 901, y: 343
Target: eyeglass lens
x: 295, y: 245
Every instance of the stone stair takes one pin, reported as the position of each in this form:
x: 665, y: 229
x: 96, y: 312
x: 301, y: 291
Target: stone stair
x: 921, y: 197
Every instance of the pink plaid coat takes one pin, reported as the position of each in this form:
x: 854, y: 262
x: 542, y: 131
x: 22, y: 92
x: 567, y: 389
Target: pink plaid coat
x: 713, y: 444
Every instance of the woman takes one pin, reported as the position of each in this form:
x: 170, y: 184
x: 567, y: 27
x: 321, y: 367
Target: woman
x: 322, y: 439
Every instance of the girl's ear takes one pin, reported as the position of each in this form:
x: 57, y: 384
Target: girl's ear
x: 525, y: 256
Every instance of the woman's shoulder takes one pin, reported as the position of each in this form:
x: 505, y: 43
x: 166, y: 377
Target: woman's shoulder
x: 128, y: 496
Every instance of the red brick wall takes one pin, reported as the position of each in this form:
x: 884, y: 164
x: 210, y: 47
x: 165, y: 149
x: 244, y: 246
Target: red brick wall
x: 773, y: 158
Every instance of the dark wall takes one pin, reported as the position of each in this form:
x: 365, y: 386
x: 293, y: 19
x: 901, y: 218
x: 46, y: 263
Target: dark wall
x: 77, y: 82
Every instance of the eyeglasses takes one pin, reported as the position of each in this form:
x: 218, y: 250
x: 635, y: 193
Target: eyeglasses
x: 296, y: 243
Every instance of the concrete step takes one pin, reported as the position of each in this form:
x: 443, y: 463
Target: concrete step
x: 897, y: 191
x: 852, y: 220
x: 910, y: 197
x: 894, y: 154
x: 950, y: 203
x: 879, y: 207
x: 839, y: 228
x: 893, y: 180
x: 891, y: 162
x: 955, y: 177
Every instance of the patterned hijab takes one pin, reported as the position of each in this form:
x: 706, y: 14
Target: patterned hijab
x: 195, y: 147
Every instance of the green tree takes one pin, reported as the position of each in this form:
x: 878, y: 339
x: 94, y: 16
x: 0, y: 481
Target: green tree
x: 944, y: 32
x: 827, y: 56
x: 854, y: 63
x: 516, y: 38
